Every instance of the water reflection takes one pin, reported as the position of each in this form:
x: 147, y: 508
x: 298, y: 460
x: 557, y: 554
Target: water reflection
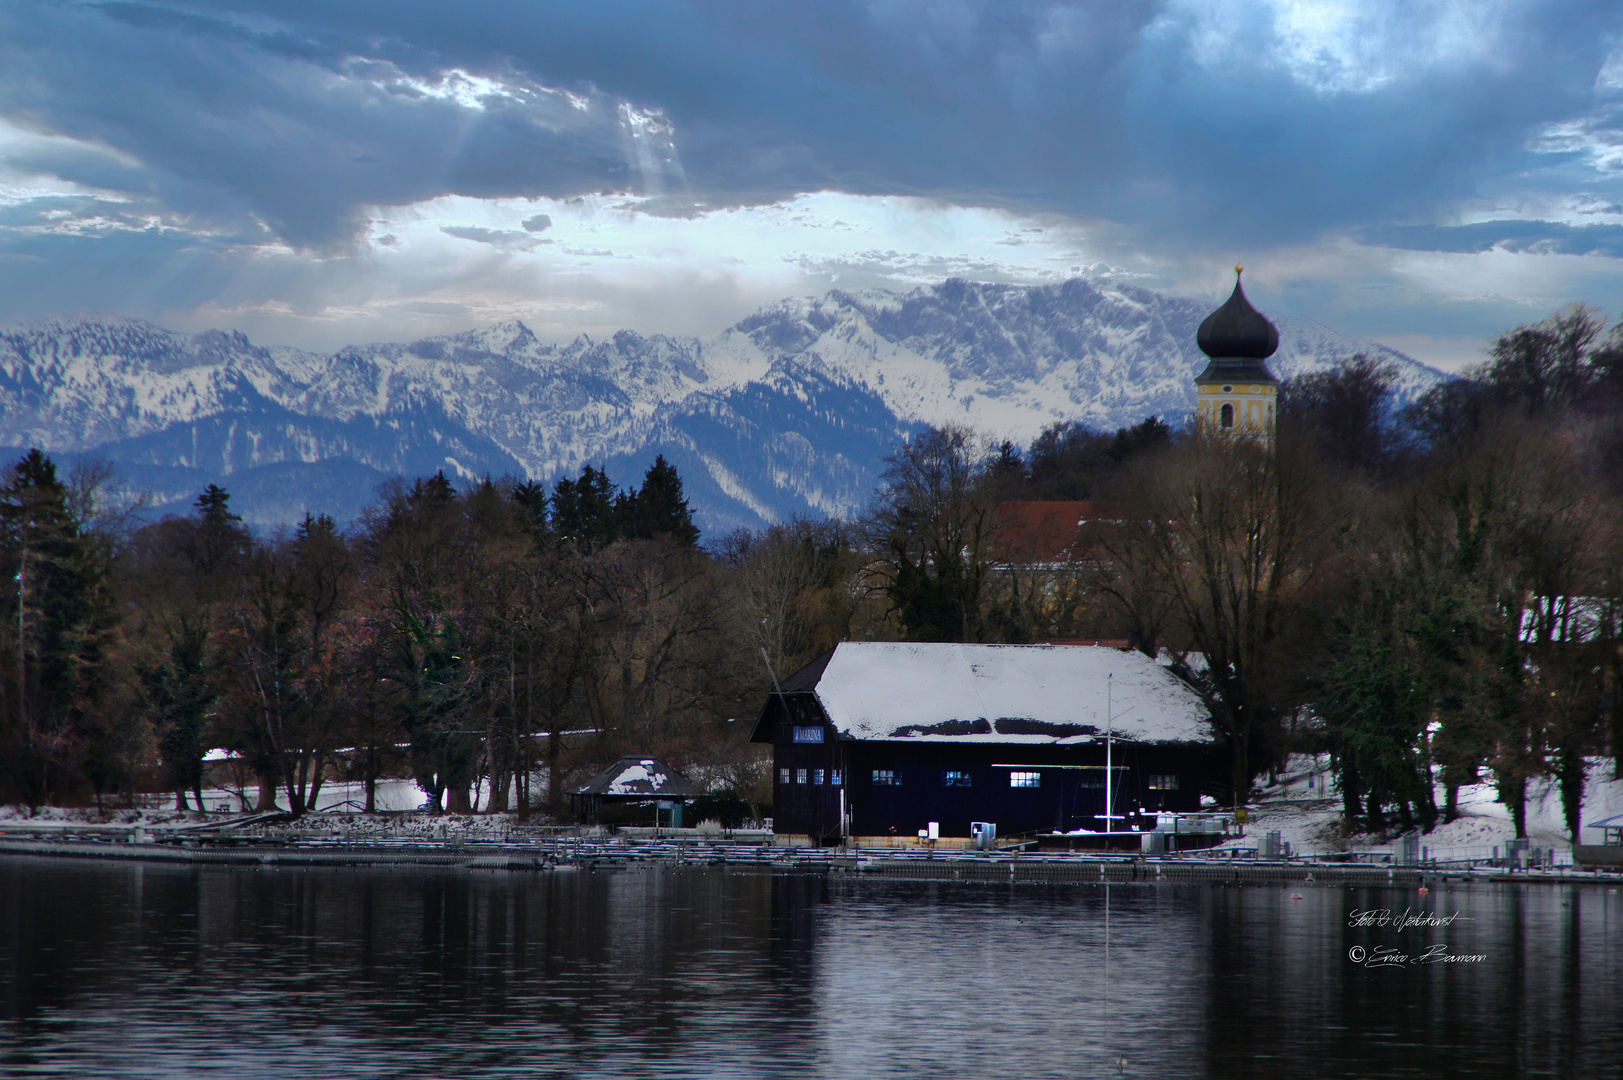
x: 1544, y: 1000
x: 132, y: 971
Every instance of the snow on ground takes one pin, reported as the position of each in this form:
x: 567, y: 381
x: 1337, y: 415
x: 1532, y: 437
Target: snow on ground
x: 338, y: 804
x: 1305, y: 809
x: 391, y: 795
x: 113, y: 816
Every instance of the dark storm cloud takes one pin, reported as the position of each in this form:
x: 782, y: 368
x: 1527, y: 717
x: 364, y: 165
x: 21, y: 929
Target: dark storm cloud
x: 1187, y: 121
x: 1113, y: 109
x: 292, y: 131
x: 193, y: 132
x: 998, y: 102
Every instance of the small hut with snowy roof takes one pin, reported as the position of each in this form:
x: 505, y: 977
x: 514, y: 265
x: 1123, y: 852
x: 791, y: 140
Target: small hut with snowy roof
x: 637, y: 778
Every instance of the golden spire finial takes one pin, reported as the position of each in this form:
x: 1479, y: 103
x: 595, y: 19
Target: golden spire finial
x: 1238, y: 269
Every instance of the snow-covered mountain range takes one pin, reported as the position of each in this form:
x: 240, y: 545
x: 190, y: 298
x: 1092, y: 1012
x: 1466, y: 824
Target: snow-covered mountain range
x: 789, y: 411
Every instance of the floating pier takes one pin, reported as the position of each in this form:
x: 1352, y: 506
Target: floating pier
x: 554, y: 850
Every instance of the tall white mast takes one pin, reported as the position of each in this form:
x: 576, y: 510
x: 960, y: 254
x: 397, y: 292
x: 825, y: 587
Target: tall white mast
x: 1110, y: 728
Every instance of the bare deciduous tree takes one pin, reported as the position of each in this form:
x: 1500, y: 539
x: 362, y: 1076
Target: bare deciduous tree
x: 931, y: 528
x: 1228, y: 542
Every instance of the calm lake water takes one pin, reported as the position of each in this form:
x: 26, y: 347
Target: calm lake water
x: 130, y: 971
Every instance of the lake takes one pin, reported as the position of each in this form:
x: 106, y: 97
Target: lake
x: 117, y: 970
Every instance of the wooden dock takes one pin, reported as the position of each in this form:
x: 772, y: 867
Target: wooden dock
x: 610, y: 854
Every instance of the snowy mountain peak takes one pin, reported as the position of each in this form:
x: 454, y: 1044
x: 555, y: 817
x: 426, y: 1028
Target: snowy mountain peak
x: 790, y: 410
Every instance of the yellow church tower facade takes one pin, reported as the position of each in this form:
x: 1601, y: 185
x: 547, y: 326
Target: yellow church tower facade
x: 1236, y: 393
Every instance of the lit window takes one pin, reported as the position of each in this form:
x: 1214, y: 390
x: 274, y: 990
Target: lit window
x: 808, y: 734
x: 952, y: 778
x: 783, y: 776
x: 834, y: 777
x: 1163, y: 783
x: 886, y: 777
x: 817, y: 776
x: 1025, y: 779
x: 800, y: 776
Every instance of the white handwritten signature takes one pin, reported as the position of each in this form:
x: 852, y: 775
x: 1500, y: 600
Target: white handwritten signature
x: 1388, y: 956
x: 1407, y: 919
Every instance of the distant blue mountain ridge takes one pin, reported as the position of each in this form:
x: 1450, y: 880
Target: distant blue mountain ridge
x: 790, y: 411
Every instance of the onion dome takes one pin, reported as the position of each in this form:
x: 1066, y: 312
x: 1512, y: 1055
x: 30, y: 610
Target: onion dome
x: 1238, y: 339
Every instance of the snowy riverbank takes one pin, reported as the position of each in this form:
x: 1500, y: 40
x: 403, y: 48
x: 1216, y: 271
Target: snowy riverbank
x: 1305, y: 813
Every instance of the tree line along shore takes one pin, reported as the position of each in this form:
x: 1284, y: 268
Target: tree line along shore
x: 1430, y: 595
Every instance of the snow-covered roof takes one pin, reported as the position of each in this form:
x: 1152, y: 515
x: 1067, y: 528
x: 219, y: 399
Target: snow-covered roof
x: 919, y: 691
x: 637, y: 775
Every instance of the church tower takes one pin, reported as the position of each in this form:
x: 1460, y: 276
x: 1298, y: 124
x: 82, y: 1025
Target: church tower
x: 1237, y: 393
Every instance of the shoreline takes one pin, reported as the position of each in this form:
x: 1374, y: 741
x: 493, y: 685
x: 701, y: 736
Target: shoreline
x: 617, y: 854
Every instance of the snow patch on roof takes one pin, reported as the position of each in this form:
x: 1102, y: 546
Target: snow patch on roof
x: 1006, y: 693
x: 636, y: 779
x: 637, y: 775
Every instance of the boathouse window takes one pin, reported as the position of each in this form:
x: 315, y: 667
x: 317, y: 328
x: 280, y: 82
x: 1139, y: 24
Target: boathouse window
x: 953, y: 778
x: 835, y: 777
x: 800, y: 776
x: 886, y: 777
x: 809, y: 734
x: 1163, y: 783
x: 817, y: 776
x: 783, y: 776
x: 1025, y: 779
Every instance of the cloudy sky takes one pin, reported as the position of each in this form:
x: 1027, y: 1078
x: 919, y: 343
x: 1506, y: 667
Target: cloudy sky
x: 318, y: 173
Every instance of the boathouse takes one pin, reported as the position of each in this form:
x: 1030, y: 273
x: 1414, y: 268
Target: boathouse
x: 874, y: 741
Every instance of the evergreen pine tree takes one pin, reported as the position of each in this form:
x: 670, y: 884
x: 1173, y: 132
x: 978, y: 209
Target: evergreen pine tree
x: 177, y: 693
x: 530, y: 499
x: 220, y: 540
x: 57, y: 615
x: 659, y: 509
x: 435, y: 491
x: 584, y: 510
